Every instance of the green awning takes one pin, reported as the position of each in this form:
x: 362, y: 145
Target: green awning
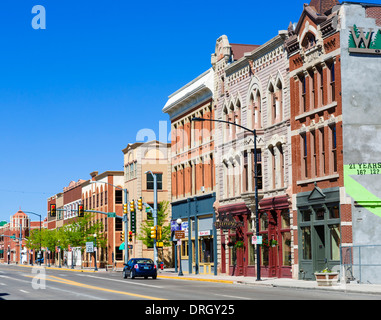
x: 121, y: 247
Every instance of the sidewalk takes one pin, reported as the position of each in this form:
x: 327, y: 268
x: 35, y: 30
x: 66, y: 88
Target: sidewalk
x: 272, y: 282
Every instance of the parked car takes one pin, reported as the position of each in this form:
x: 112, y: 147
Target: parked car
x: 140, y: 267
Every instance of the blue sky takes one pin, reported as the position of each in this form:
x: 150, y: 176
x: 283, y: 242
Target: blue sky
x: 74, y: 95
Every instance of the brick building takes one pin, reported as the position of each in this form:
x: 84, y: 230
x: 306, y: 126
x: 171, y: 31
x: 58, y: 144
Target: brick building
x: 319, y: 210
x: 193, y: 172
x: 103, y: 196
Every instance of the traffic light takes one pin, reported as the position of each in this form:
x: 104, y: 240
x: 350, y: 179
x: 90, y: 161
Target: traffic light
x: 132, y: 205
x: 53, y: 211
x: 129, y: 236
x: 122, y: 236
x: 125, y: 208
x: 153, y: 232
x: 140, y: 203
x: 158, y: 233
x: 81, y: 211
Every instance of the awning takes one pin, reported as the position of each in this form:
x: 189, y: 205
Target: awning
x: 121, y: 247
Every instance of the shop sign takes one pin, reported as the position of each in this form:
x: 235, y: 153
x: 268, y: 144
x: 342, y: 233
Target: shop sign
x: 204, y: 233
x: 226, y: 221
x: 369, y: 43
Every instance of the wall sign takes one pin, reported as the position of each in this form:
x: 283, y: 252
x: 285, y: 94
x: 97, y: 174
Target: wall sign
x: 226, y: 221
x: 361, y: 42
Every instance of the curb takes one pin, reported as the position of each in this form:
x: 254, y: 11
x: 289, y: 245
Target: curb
x: 56, y: 268
x: 196, y: 279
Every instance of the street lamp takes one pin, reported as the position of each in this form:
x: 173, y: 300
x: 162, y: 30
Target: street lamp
x: 179, y: 221
x: 154, y: 212
x: 255, y: 183
x: 29, y: 212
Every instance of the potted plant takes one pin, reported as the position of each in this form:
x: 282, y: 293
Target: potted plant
x: 326, y: 277
x: 239, y: 244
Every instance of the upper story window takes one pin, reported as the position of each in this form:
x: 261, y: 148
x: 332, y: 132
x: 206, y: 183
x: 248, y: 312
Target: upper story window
x: 309, y: 41
x: 150, y: 181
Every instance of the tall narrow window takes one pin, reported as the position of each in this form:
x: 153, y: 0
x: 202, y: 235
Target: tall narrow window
x: 305, y: 153
x: 273, y: 166
x: 259, y: 168
x: 332, y: 76
x: 321, y: 83
x: 281, y: 159
x: 258, y: 110
x: 312, y: 89
x: 314, y: 155
x: 304, y: 93
x: 334, y: 148
x: 322, y: 152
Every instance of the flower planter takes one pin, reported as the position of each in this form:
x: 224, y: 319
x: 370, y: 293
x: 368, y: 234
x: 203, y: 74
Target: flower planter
x: 326, y: 278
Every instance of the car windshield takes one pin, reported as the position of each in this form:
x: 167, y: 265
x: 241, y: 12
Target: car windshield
x: 144, y: 261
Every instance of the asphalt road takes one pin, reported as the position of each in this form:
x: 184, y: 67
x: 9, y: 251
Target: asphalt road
x: 27, y: 283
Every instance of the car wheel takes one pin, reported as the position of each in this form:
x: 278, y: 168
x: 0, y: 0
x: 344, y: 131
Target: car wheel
x: 132, y: 274
x: 125, y: 274
x: 154, y: 277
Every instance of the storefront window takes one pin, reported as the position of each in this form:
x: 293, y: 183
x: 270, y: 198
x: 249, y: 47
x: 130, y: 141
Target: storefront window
x: 306, y: 243
x: 285, y: 216
x: 286, y: 248
x: 264, y: 222
x: 265, y: 251
x: 184, y: 249
x: 334, y: 231
x: 319, y: 213
x: 233, y: 253
x: 206, y: 250
x: 306, y: 215
x: 334, y: 212
x: 251, y: 251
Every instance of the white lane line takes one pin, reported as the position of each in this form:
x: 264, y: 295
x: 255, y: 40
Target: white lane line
x: 235, y: 297
x: 24, y: 291
x: 127, y: 282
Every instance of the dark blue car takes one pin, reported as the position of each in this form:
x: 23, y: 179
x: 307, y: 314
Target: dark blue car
x: 140, y: 267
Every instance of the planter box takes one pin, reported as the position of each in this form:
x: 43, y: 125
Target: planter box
x: 326, y: 278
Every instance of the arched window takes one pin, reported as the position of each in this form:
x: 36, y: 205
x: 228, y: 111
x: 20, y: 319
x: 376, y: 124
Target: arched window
x: 309, y: 41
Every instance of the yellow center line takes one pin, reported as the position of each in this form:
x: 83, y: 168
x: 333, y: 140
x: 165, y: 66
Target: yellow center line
x: 78, y: 284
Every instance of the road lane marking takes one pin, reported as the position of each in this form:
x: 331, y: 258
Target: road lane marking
x: 124, y: 281
x: 82, y: 285
x: 235, y: 297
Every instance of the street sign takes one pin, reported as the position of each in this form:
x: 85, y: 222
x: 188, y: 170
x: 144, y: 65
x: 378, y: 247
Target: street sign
x: 256, y: 240
x: 111, y: 215
x: 179, y: 234
x: 90, y: 247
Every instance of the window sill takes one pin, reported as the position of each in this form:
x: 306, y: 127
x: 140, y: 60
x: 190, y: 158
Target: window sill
x: 312, y: 180
x: 313, y: 111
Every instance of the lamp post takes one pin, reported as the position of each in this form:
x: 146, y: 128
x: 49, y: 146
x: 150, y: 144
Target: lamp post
x: 29, y: 212
x: 154, y: 212
x: 179, y: 221
x: 255, y: 183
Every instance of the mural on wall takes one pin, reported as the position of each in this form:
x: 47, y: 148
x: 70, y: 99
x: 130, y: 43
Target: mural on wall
x: 356, y: 190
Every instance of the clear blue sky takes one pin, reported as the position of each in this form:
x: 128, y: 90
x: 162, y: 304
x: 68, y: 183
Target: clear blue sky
x: 74, y: 95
